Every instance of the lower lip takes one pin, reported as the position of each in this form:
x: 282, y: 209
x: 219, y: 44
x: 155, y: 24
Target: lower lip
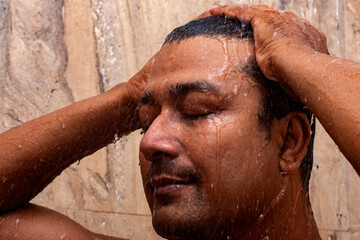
x: 170, y: 188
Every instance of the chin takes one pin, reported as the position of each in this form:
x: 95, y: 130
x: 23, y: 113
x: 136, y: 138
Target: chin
x: 180, y: 222
x: 194, y: 221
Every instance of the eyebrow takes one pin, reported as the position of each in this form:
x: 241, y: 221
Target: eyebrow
x: 180, y: 90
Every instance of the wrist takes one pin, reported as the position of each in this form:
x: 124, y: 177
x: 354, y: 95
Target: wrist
x: 124, y: 103
x: 288, y: 59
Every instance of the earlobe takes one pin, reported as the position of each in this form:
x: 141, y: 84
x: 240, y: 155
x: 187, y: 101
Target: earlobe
x: 296, y: 136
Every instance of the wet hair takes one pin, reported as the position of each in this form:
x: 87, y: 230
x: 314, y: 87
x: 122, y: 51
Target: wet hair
x: 276, y: 103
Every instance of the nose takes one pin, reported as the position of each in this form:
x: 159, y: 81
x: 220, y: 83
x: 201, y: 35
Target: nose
x: 160, y: 140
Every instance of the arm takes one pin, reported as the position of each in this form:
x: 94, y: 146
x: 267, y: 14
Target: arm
x: 330, y: 87
x: 293, y: 53
x: 38, y: 223
x: 39, y: 150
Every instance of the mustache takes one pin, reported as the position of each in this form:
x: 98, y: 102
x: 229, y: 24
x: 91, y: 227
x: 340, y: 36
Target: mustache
x: 172, y: 168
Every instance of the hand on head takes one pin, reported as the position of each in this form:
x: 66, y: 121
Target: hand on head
x: 138, y: 82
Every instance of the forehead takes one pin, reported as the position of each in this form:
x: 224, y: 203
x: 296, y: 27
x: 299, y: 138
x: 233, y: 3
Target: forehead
x: 201, y: 58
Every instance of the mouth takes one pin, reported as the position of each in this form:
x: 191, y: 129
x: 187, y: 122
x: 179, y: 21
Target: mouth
x: 165, y: 184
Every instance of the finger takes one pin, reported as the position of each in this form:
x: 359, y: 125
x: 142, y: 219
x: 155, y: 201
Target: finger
x: 217, y: 11
x: 242, y: 12
x: 203, y: 15
x: 263, y: 7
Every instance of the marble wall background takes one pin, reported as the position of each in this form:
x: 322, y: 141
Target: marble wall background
x: 56, y: 52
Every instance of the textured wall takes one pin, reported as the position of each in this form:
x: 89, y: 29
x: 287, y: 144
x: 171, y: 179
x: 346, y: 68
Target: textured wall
x: 54, y: 52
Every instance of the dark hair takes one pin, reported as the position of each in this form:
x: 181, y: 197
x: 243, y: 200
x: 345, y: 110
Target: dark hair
x: 276, y: 103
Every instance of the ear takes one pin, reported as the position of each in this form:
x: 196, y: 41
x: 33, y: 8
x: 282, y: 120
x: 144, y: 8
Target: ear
x: 295, y: 133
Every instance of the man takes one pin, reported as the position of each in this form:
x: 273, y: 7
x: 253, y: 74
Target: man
x: 214, y: 165
x: 222, y: 146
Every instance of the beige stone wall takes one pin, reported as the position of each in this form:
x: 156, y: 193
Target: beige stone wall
x: 54, y: 52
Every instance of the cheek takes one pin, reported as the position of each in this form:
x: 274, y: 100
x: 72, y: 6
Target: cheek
x: 219, y: 147
x: 229, y: 153
x: 144, y: 169
x: 144, y: 165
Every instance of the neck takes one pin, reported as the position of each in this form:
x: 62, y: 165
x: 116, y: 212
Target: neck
x: 288, y: 216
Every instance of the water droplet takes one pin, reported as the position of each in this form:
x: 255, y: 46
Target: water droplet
x: 20, y: 147
x: 339, y: 215
x: 120, y: 198
x: 103, y: 222
x: 17, y: 222
x: 116, y: 138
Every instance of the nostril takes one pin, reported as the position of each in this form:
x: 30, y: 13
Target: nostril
x: 158, y: 156
x: 161, y: 154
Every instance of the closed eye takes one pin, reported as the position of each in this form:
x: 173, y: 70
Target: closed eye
x: 196, y: 115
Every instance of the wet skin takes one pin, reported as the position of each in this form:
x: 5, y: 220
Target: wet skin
x: 206, y: 163
x: 293, y: 53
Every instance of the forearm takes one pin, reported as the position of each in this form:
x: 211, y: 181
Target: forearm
x: 33, y: 154
x: 330, y: 87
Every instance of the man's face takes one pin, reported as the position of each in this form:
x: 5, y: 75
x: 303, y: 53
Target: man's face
x: 205, y: 162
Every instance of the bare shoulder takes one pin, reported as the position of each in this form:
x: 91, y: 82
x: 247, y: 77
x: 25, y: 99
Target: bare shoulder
x: 38, y: 223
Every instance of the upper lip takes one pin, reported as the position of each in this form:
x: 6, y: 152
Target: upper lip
x: 164, y: 180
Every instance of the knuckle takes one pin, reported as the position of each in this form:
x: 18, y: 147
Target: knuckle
x: 288, y: 12
x: 264, y: 7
